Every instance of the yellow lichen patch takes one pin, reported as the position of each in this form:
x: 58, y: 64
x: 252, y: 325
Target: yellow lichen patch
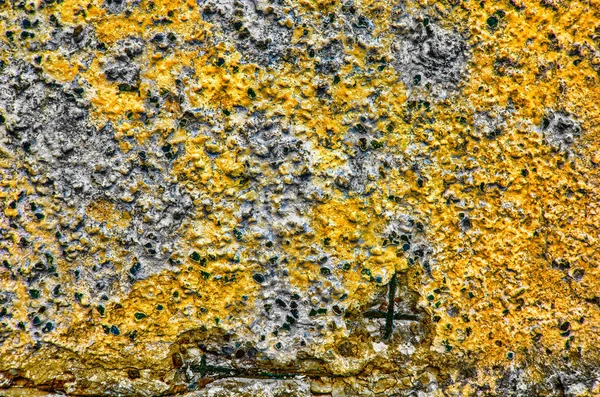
x: 197, y: 166
x: 73, y: 12
x: 214, y: 89
x: 349, y: 232
x: 491, y: 272
x: 196, y: 296
x: 59, y: 67
x: 453, y: 144
x: 526, y: 66
x: 108, y: 100
x: 106, y: 212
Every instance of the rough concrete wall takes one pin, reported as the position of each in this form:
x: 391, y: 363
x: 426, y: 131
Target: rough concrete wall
x: 296, y: 198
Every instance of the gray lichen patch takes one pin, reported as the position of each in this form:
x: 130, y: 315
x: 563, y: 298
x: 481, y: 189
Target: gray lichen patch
x: 277, y: 192
x: 260, y: 30
x: 119, y: 6
x: 69, y: 39
x: 356, y: 26
x: 560, y: 130
x: 330, y: 56
x: 75, y: 168
x: 427, y: 56
x: 491, y: 123
x: 123, y: 71
x: 121, y: 63
x: 330, y: 40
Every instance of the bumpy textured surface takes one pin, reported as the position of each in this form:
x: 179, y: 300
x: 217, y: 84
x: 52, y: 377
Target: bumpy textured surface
x: 299, y: 198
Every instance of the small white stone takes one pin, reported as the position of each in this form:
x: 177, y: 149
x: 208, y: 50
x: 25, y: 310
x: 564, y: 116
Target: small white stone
x: 379, y: 347
x: 406, y: 349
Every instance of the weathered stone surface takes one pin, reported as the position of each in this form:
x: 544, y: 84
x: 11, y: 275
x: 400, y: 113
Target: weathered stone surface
x: 296, y: 198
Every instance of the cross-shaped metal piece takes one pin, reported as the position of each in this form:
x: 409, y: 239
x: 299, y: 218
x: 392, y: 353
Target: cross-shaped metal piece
x: 389, y: 315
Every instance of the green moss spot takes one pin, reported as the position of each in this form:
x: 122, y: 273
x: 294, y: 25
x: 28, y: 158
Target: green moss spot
x: 376, y: 145
x: 195, y: 256
x: 48, y: 327
x: 139, y: 316
x: 259, y: 278
x: 492, y: 22
x: 135, y: 268
x: 237, y: 234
